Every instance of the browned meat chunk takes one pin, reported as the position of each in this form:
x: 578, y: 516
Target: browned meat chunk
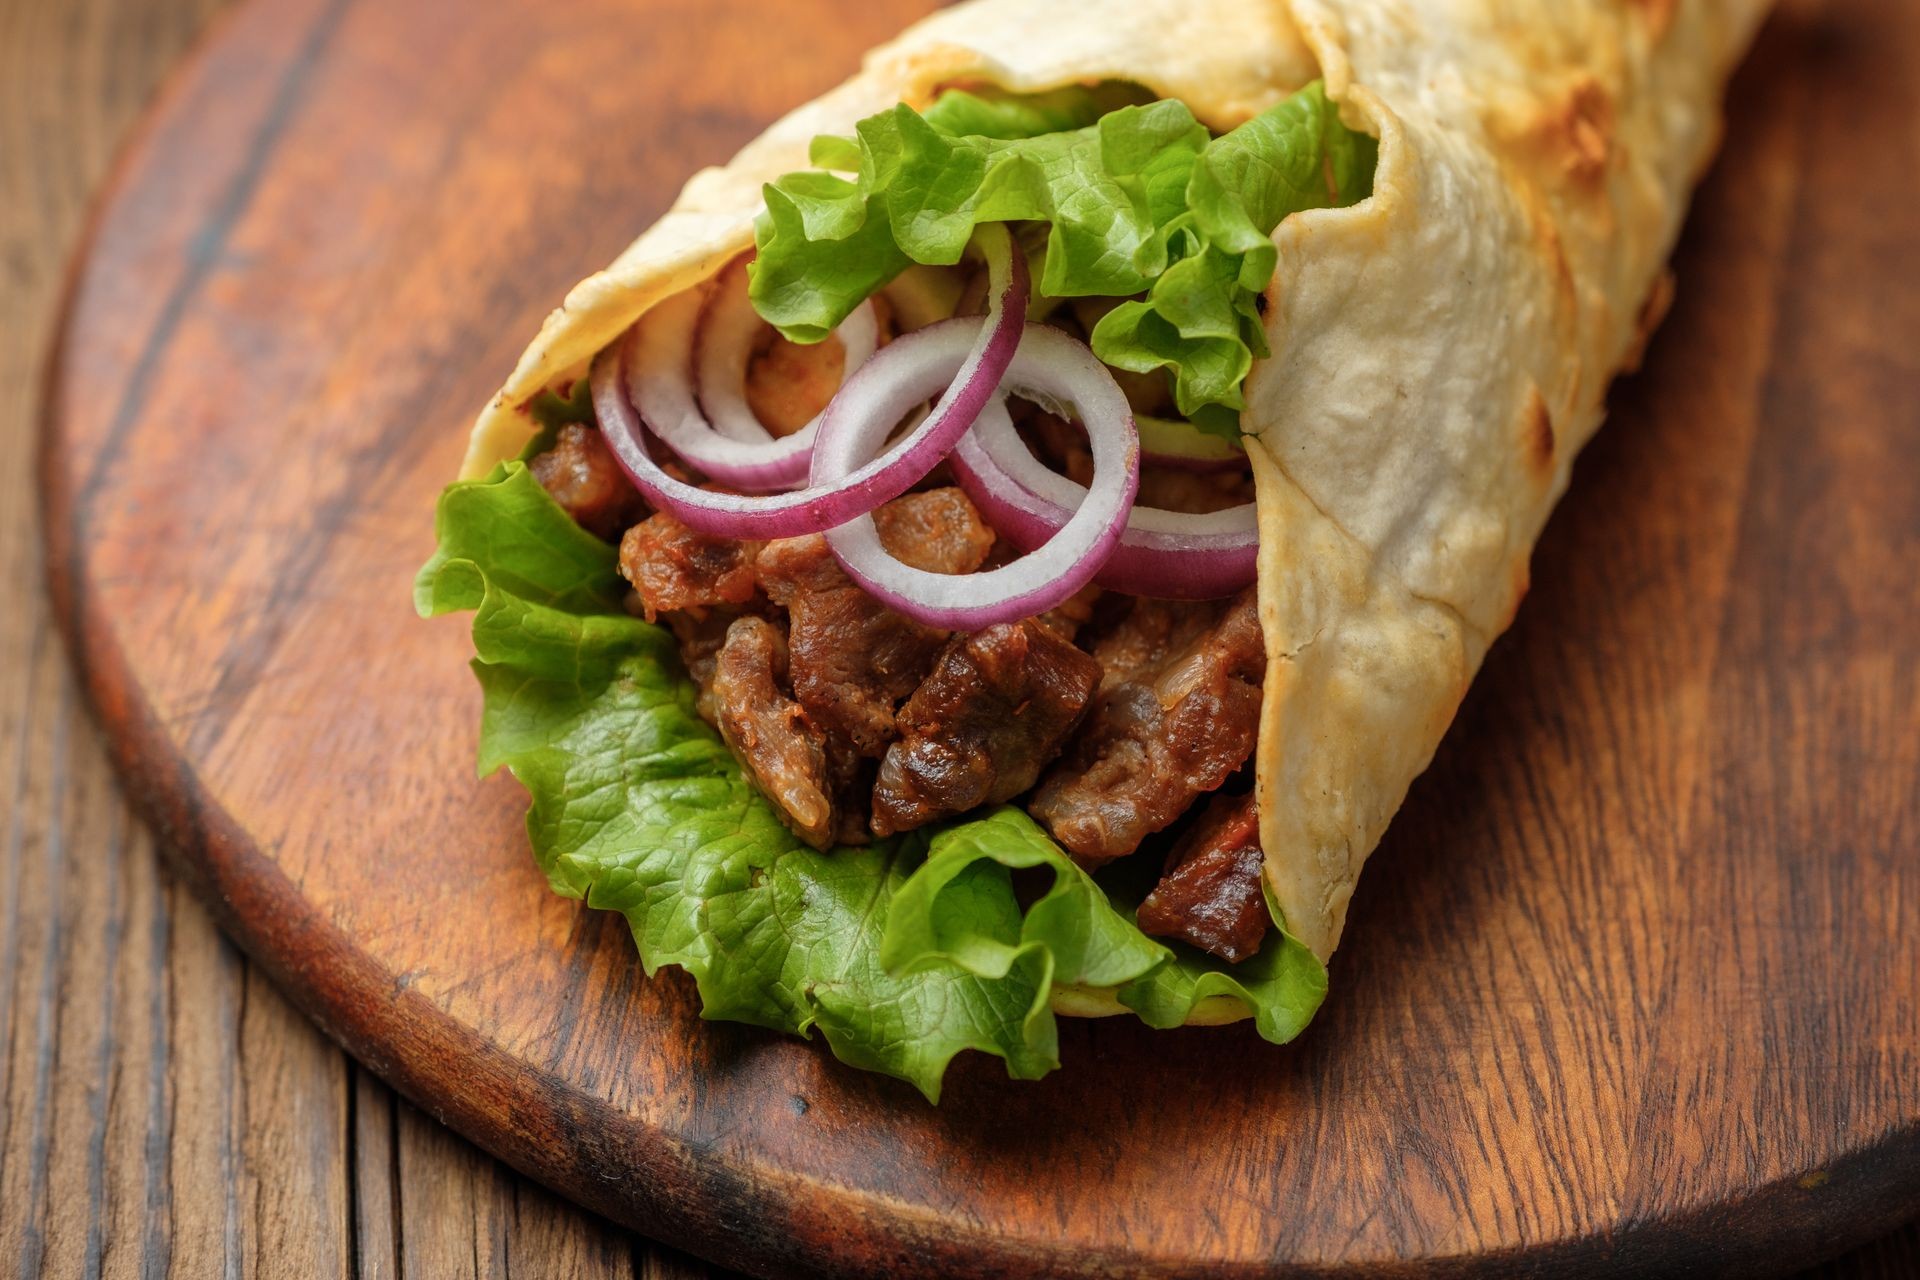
x: 700, y: 641
x: 581, y: 475
x: 938, y: 531
x: 851, y: 777
x: 789, y: 383
x: 848, y: 778
x: 1063, y: 446
x: 982, y: 726
x: 1054, y: 440
x: 1210, y: 895
x: 854, y: 659
x: 1150, y: 632
x: 1073, y: 613
x: 674, y: 568
x: 769, y: 733
x: 1162, y: 733
x: 1196, y: 492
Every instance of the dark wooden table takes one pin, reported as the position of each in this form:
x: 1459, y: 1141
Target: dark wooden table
x: 165, y: 1111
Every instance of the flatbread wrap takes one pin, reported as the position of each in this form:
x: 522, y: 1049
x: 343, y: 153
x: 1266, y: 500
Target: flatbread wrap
x: 1005, y: 543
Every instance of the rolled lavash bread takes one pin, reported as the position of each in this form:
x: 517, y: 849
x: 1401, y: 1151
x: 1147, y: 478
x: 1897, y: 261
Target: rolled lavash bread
x: 1440, y: 350
x: 1440, y: 353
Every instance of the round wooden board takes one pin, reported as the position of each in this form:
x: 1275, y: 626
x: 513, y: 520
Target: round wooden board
x: 1632, y: 981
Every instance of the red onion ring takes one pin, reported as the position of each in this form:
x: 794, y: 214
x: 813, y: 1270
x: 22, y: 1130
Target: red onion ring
x: 659, y: 383
x: 1048, y: 365
x: 723, y: 349
x: 658, y: 343
x: 1169, y: 554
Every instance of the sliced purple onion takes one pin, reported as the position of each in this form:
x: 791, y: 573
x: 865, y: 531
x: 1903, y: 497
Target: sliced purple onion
x: 960, y: 360
x: 1169, y: 554
x: 658, y: 380
x: 915, y: 367
x: 1049, y: 366
x: 732, y: 515
x: 722, y: 351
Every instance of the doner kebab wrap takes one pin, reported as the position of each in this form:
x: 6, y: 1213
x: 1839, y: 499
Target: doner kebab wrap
x: 1004, y: 544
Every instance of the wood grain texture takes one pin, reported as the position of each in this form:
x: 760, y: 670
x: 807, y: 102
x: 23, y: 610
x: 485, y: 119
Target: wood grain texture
x: 1647, y: 910
x: 163, y: 1109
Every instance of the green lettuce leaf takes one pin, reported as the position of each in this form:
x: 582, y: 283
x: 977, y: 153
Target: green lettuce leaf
x: 826, y: 243
x: 995, y: 113
x: 551, y: 412
x: 1085, y: 941
x: 1088, y: 931
x: 1139, y: 202
x: 902, y: 953
x: 1201, y: 320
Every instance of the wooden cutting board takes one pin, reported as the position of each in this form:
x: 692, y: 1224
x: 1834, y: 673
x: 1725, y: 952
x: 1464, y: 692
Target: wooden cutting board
x: 1632, y: 982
